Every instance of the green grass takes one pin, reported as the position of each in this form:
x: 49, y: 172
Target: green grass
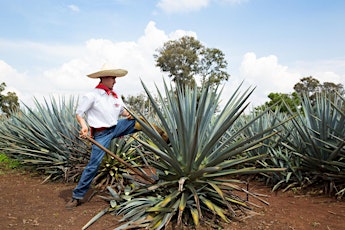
x: 8, y: 163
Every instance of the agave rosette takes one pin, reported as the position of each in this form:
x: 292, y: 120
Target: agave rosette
x: 197, y: 168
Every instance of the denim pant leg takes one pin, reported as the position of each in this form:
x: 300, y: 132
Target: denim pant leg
x: 90, y: 170
x: 123, y: 127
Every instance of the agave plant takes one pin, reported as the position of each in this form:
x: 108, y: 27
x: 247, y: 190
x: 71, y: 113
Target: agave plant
x: 277, y: 155
x: 46, y: 138
x: 260, y: 123
x: 319, y: 141
x: 114, y: 173
x: 197, y: 168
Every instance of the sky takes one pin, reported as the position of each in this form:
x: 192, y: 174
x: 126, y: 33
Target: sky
x: 47, y: 47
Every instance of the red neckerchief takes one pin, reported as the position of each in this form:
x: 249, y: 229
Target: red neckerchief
x: 106, y: 89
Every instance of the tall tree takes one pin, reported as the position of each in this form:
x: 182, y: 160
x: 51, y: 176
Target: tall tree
x: 186, y: 58
x: 212, y: 66
x: 308, y: 86
x: 311, y: 87
x: 8, y: 102
x: 330, y: 87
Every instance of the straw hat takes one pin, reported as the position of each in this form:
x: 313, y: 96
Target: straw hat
x: 107, y: 71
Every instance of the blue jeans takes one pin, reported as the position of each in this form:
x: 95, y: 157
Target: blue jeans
x: 123, y: 127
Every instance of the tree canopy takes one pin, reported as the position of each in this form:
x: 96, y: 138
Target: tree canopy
x: 186, y: 58
x: 282, y: 101
x: 8, y: 102
x: 308, y: 86
x: 139, y: 104
x: 311, y: 86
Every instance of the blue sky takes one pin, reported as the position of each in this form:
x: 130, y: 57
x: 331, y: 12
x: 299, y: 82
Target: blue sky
x: 47, y: 47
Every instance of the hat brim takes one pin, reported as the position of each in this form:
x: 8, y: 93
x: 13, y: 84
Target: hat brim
x: 109, y: 73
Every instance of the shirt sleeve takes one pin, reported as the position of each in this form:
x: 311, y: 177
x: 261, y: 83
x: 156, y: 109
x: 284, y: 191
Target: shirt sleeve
x: 84, y: 104
x: 122, y: 104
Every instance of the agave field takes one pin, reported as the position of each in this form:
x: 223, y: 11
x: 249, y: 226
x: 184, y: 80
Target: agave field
x: 201, y: 175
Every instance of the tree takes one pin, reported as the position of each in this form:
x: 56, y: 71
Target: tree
x: 311, y: 87
x: 9, y: 102
x: 186, y: 58
x: 308, y: 86
x: 212, y: 67
x: 138, y: 104
x: 282, y: 101
x: 332, y: 88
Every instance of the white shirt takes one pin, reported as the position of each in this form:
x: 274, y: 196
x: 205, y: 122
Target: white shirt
x: 100, y: 109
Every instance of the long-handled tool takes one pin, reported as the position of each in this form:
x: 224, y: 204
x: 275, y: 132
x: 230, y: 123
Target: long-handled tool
x: 135, y: 170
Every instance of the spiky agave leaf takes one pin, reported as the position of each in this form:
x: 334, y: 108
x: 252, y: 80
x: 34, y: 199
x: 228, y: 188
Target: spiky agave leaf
x: 111, y: 171
x: 46, y: 138
x: 192, y: 165
x: 95, y: 218
x: 319, y: 141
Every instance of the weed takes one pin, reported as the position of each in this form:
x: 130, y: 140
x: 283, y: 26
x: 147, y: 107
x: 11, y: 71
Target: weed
x: 7, y: 162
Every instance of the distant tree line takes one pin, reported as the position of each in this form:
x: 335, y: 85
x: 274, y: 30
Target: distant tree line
x: 307, y: 86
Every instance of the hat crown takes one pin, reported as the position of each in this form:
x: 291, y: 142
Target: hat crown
x: 107, y: 66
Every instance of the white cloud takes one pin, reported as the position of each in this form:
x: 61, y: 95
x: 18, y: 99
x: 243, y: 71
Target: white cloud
x: 74, y: 8
x: 173, y: 6
x: 17, y: 82
x: 268, y: 75
x: 45, y: 54
x: 68, y: 74
x: 70, y: 77
x: 265, y: 74
x: 10, y: 76
x: 323, y: 70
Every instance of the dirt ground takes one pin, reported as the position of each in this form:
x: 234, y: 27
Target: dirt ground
x: 26, y: 203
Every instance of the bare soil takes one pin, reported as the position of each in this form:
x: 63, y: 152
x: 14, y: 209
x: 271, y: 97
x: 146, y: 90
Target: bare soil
x: 26, y: 203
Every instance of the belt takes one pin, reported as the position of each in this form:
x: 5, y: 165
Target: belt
x: 99, y: 129
x: 95, y: 130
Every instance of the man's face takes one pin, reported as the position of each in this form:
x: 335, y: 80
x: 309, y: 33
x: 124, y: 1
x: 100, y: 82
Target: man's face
x: 108, y: 81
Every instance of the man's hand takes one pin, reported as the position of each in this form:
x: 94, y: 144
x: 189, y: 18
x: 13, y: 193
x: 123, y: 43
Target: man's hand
x: 83, y: 132
x: 126, y: 114
x: 130, y: 117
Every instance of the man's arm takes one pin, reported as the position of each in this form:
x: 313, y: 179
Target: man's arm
x: 84, y: 130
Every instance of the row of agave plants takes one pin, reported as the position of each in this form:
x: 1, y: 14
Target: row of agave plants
x: 199, y: 174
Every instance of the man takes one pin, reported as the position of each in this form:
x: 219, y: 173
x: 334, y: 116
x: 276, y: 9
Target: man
x: 102, y: 108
